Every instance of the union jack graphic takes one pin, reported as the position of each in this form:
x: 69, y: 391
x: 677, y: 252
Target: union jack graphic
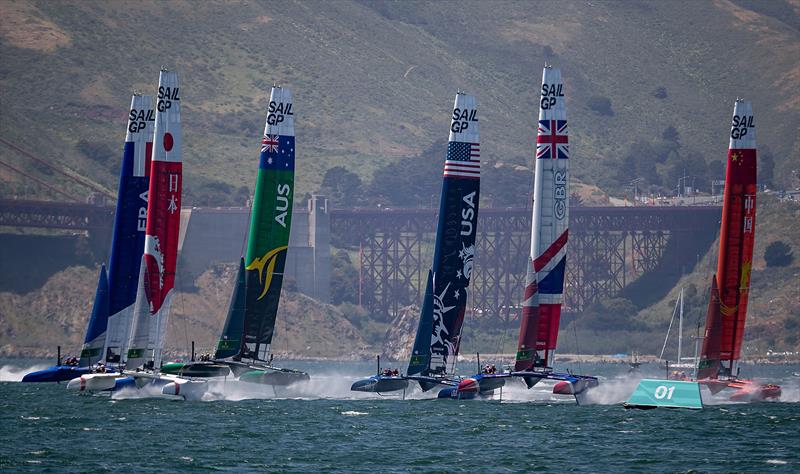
x: 552, y: 140
x: 269, y: 143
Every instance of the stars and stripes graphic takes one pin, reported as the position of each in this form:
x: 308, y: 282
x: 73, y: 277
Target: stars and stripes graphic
x: 552, y: 140
x: 463, y: 160
x: 269, y: 143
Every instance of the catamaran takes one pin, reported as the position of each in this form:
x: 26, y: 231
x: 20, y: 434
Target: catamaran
x: 438, y: 337
x: 718, y: 368
x: 244, y: 347
x: 544, y: 280
x: 157, y: 264
x: 727, y: 307
x: 116, y: 290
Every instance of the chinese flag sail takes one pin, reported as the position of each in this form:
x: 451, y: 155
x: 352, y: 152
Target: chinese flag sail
x: 728, y: 310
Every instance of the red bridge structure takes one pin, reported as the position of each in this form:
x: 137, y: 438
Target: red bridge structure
x: 609, y: 249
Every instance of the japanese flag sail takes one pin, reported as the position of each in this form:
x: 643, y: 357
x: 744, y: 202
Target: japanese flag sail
x: 727, y: 308
x: 130, y: 218
x: 544, y: 281
x: 439, y: 331
x: 157, y: 275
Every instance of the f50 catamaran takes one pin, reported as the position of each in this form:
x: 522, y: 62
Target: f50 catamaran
x: 444, y: 305
x: 245, y: 343
x: 116, y: 291
x: 157, y: 265
x: 730, y: 287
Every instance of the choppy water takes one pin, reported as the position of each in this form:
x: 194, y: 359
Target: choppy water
x: 324, y: 427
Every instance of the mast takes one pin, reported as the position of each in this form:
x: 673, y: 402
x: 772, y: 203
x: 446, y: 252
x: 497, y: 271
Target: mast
x: 230, y: 342
x: 157, y: 274
x: 438, y: 333
x: 270, y: 222
x: 680, y: 328
x: 127, y: 245
x: 727, y: 308
x: 544, y: 281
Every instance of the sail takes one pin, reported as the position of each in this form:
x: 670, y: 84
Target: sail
x: 544, y: 281
x: 162, y: 228
x: 127, y: 244
x: 270, y: 221
x: 455, y: 234
x: 421, y: 353
x: 709, y: 364
x: 737, y: 234
x: 95, y: 332
x: 230, y: 343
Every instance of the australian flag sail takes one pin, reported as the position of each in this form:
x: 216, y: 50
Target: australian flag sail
x: 268, y: 240
x: 544, y: 281
x: 130, y: 219
x: 439, y: 330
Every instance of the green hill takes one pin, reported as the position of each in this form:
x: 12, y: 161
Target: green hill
x: 373, y: 82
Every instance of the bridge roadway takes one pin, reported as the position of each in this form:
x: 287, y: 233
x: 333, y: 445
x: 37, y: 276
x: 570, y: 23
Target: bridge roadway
x: 609, y: 248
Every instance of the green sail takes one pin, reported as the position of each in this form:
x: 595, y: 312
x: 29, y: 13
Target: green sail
x: 270, y: 224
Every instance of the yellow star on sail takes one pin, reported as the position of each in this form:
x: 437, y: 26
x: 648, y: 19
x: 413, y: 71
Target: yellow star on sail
x: 268, y: 260
x: 735, y: 157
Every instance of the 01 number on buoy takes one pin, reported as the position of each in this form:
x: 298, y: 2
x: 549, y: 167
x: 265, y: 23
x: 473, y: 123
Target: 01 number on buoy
x: 662, y: 391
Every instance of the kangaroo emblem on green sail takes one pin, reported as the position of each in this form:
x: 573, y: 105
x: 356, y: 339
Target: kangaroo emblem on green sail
x: 268, y: 260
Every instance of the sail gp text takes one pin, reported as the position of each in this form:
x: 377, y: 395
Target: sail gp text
x: 166, y: 95
x: 138, y: 118
x: 550, y: 94
x: 277, y: 112
x: 560, y: 194
x: 462, y: 118
x: 740, y: 124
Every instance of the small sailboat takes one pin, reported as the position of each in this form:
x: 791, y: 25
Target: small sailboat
x: 244, y: 347
x: 680, y: 361
x: 116, y: 290
x: 438, y: 337
x: 727, y: 307
x: 544, y: 282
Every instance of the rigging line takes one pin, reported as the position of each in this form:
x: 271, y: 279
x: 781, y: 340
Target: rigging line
x: 577, y: 347
x: 664, y: 347
x: 39, y: 181
x: 75, y: 178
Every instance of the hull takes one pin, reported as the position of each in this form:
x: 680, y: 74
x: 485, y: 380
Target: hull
x: 186, y: 389
x: 380, y: 384
x: 275, y: 377
x: 56, y: 373
x: 94, y: 382
x: 744, y: 391
x: 477, y: 386
x: 196, y: 369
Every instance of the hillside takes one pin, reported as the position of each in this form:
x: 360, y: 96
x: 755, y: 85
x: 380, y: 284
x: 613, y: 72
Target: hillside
x: 33, y: 324
x: 374, y: 81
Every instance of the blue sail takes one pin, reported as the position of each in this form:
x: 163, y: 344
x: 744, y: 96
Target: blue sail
x: 127, y: 244
x: 96, y: 331
x: 455, y: 234
x: 421, y: 354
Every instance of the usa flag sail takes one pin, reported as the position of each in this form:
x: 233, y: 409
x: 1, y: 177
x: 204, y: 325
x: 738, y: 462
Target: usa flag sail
x: 157, y: 274
x: 130, y: 220
x: 727, y: 307
x: 439, y: 331
x: 544, y: 281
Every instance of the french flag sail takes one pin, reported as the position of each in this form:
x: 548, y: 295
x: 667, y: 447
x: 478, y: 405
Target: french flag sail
x: 130, y: 219
x: 157, y: 274
x: 439, y: 331
x: 544, y: 281
x: 727, y: 309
